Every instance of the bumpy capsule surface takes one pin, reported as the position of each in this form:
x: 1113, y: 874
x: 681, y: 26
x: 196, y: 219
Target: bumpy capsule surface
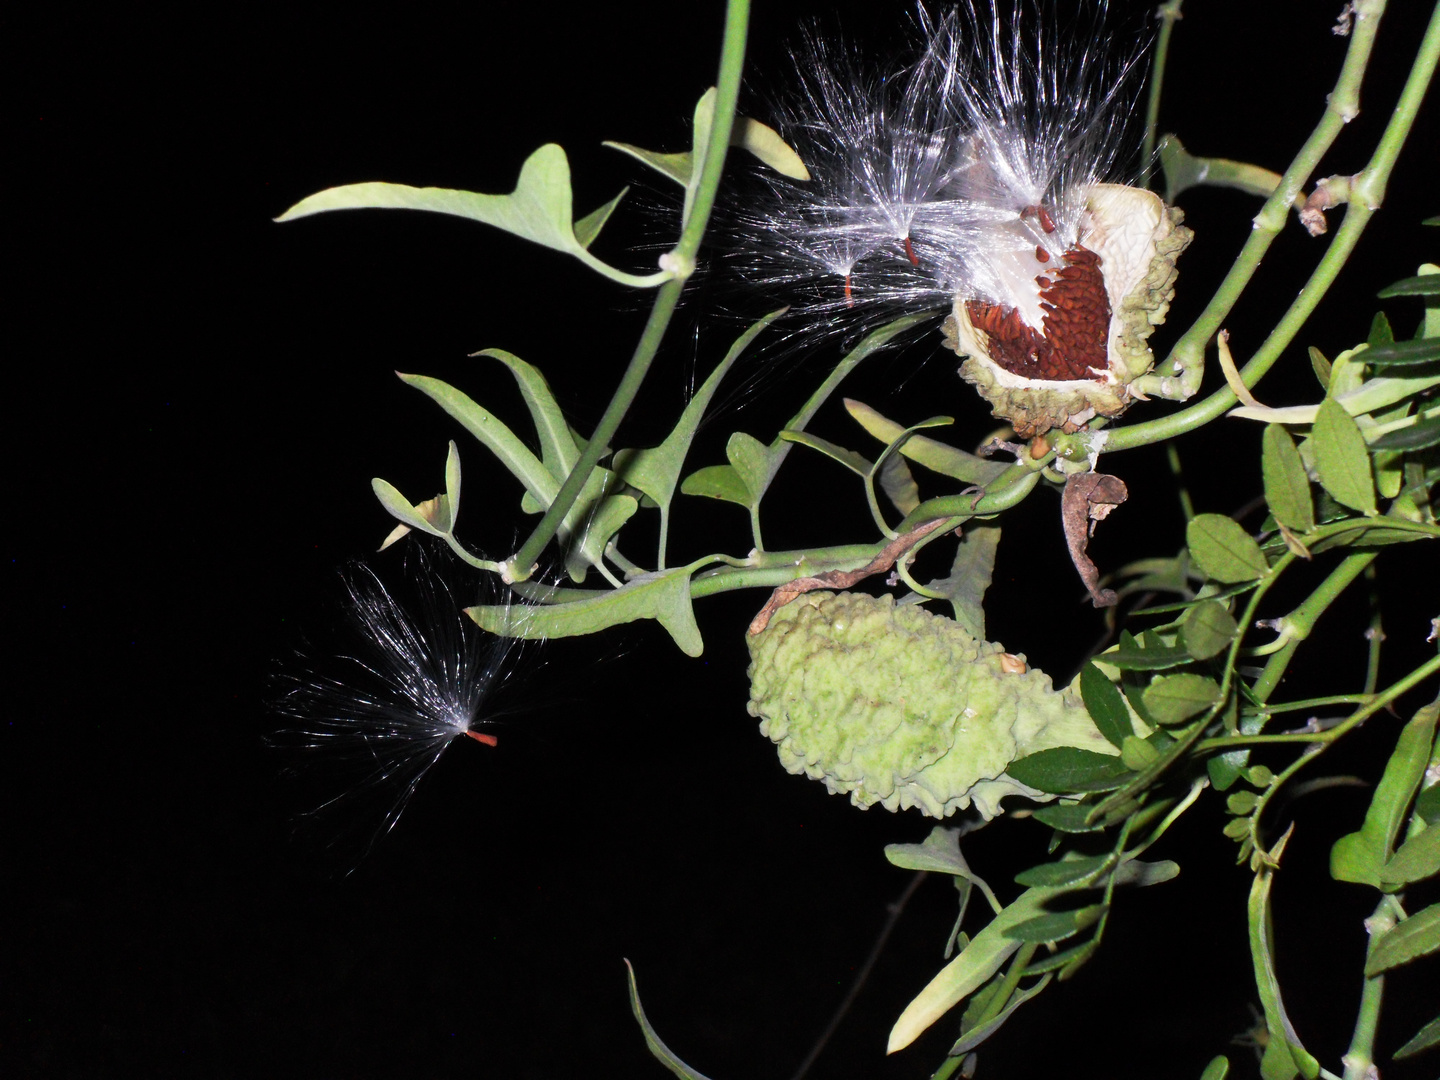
x: 897, y: 706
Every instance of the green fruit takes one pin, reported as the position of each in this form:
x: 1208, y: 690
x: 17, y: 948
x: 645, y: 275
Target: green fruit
x: 895, y: 705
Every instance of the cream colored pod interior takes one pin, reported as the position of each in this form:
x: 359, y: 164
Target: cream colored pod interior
x: 894, y: 705
x: 1095, y: 306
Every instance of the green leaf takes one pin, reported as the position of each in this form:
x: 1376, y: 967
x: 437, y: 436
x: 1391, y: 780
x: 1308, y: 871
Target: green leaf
x: 1144, y: 874
x: 1422, y: 434
x: 1380, y: 331
x: 767, y: 145
x: 588, y: 227
x: 677, y: 167
x: 1403, y: 353
x: 539, y: 209
x: 936, y: 456
x: 750, y: 458
x: 664, y: 596
x: 662, y: 1052
x: 1427, y: 806
x: 1416, y: 936
x: 557, y: 445
x: 1287, y: 488
x: 1359, y: 856
x: 437, y: 523
x: 656, y: 471
x: 898, y: 483
x: 1138, y: 754
x: 1173, y: 699
x: 969, y: 971
x: 1105, y: 704
x: 717, y: 482
x: 1064, y: 872
x: 1208, y: 629
x: 1063, y: 770
x: 493, y: 434
x: 1224, y: 769
x: 974, y: 1036
x: 970, y: 575
x: 1076, y: 953
x: 452, y: 481
x: 1417, y: 859
x: 1241, y: 802
x: 1137, y: 658
x: 599, y: 526
x: 1056, y: 925
x: 1224, y: 550
x: 1218, y: 1069
x: 939, y: 854
x: 849, y: 458
x: 1341, y: 458
x: 1421, y: 285
x: 1423, y: 1039
x: 1067, y: 819
x: 1321, y: 367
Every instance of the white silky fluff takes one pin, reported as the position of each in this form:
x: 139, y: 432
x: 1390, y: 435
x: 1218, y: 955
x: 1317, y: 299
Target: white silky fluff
x: 412, y: 677
x: 995, y: 115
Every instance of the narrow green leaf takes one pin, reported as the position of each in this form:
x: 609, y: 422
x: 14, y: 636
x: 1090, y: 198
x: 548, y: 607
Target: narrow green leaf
x: 1055, y: 961
x: 1427, y: 806
x: 1224, y: 550
x: 558, y: 449
x: 849, y: 458
x: 1137, y: 658
x: 1056, y: 925
x: 452, y: 480
x: 1064, y: 872
x: 1421, y: 285
x: 664, y: 596
x: 677, y: 167
x: 1417, y: 859
x: 1422, y: 434
x: 437, y: 523
x: 599, y: 526
x: 588, y: 227
x: 936, y: 456
x: 1287, y: 488
x: 539, y: 209
x: 974, y: 1036
x: 968, y: 972
x: 1067, y: 819
x: 1359, y: 856
x: 1404, y: 353
x: 969, y: 577
x: 767, y: 145
x: 663, y: 1053
x: 717, y: 482
x: 1064, y: 770
x: 1341, y: 458
x: 1173, y: 699
x: 898, y: 483
x: 1380, y: 331
x: 1423, y: 1039
x: 1321, y: 367
x: 493, y: 434
x: 656, y: 471
x: 1144, y: 874
x: 1208, y: 629
x: 1416, y: 936
x: 1105, y: 704
x: 1218, y: 1069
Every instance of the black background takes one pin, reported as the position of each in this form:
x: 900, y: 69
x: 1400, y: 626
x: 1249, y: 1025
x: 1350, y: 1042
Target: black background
x: 197, y: 400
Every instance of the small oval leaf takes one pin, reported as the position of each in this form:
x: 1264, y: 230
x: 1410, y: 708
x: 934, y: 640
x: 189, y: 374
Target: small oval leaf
x: 1341, y: 458
x: 1173, y: 699
x: 1224, y: 550
x: 1065, y: 769
x: 1287, y: 487
x: 1208, y: 629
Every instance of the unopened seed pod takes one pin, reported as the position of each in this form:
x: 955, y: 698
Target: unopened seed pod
x: 894, y: 705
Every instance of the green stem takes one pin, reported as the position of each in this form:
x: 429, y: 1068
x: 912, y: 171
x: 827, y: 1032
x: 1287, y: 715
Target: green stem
x: 1296, y: 627
x: 1367, y: 191
x: 1360, y: 1058
x: 1167, y: 14
x: 1342, y: 105
x: 732, y: 59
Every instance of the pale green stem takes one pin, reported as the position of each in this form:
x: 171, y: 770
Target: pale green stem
x: 1367, y: 190
x: 1167, y: 14
x: 732, y: 59
x: 1360, y: 1058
